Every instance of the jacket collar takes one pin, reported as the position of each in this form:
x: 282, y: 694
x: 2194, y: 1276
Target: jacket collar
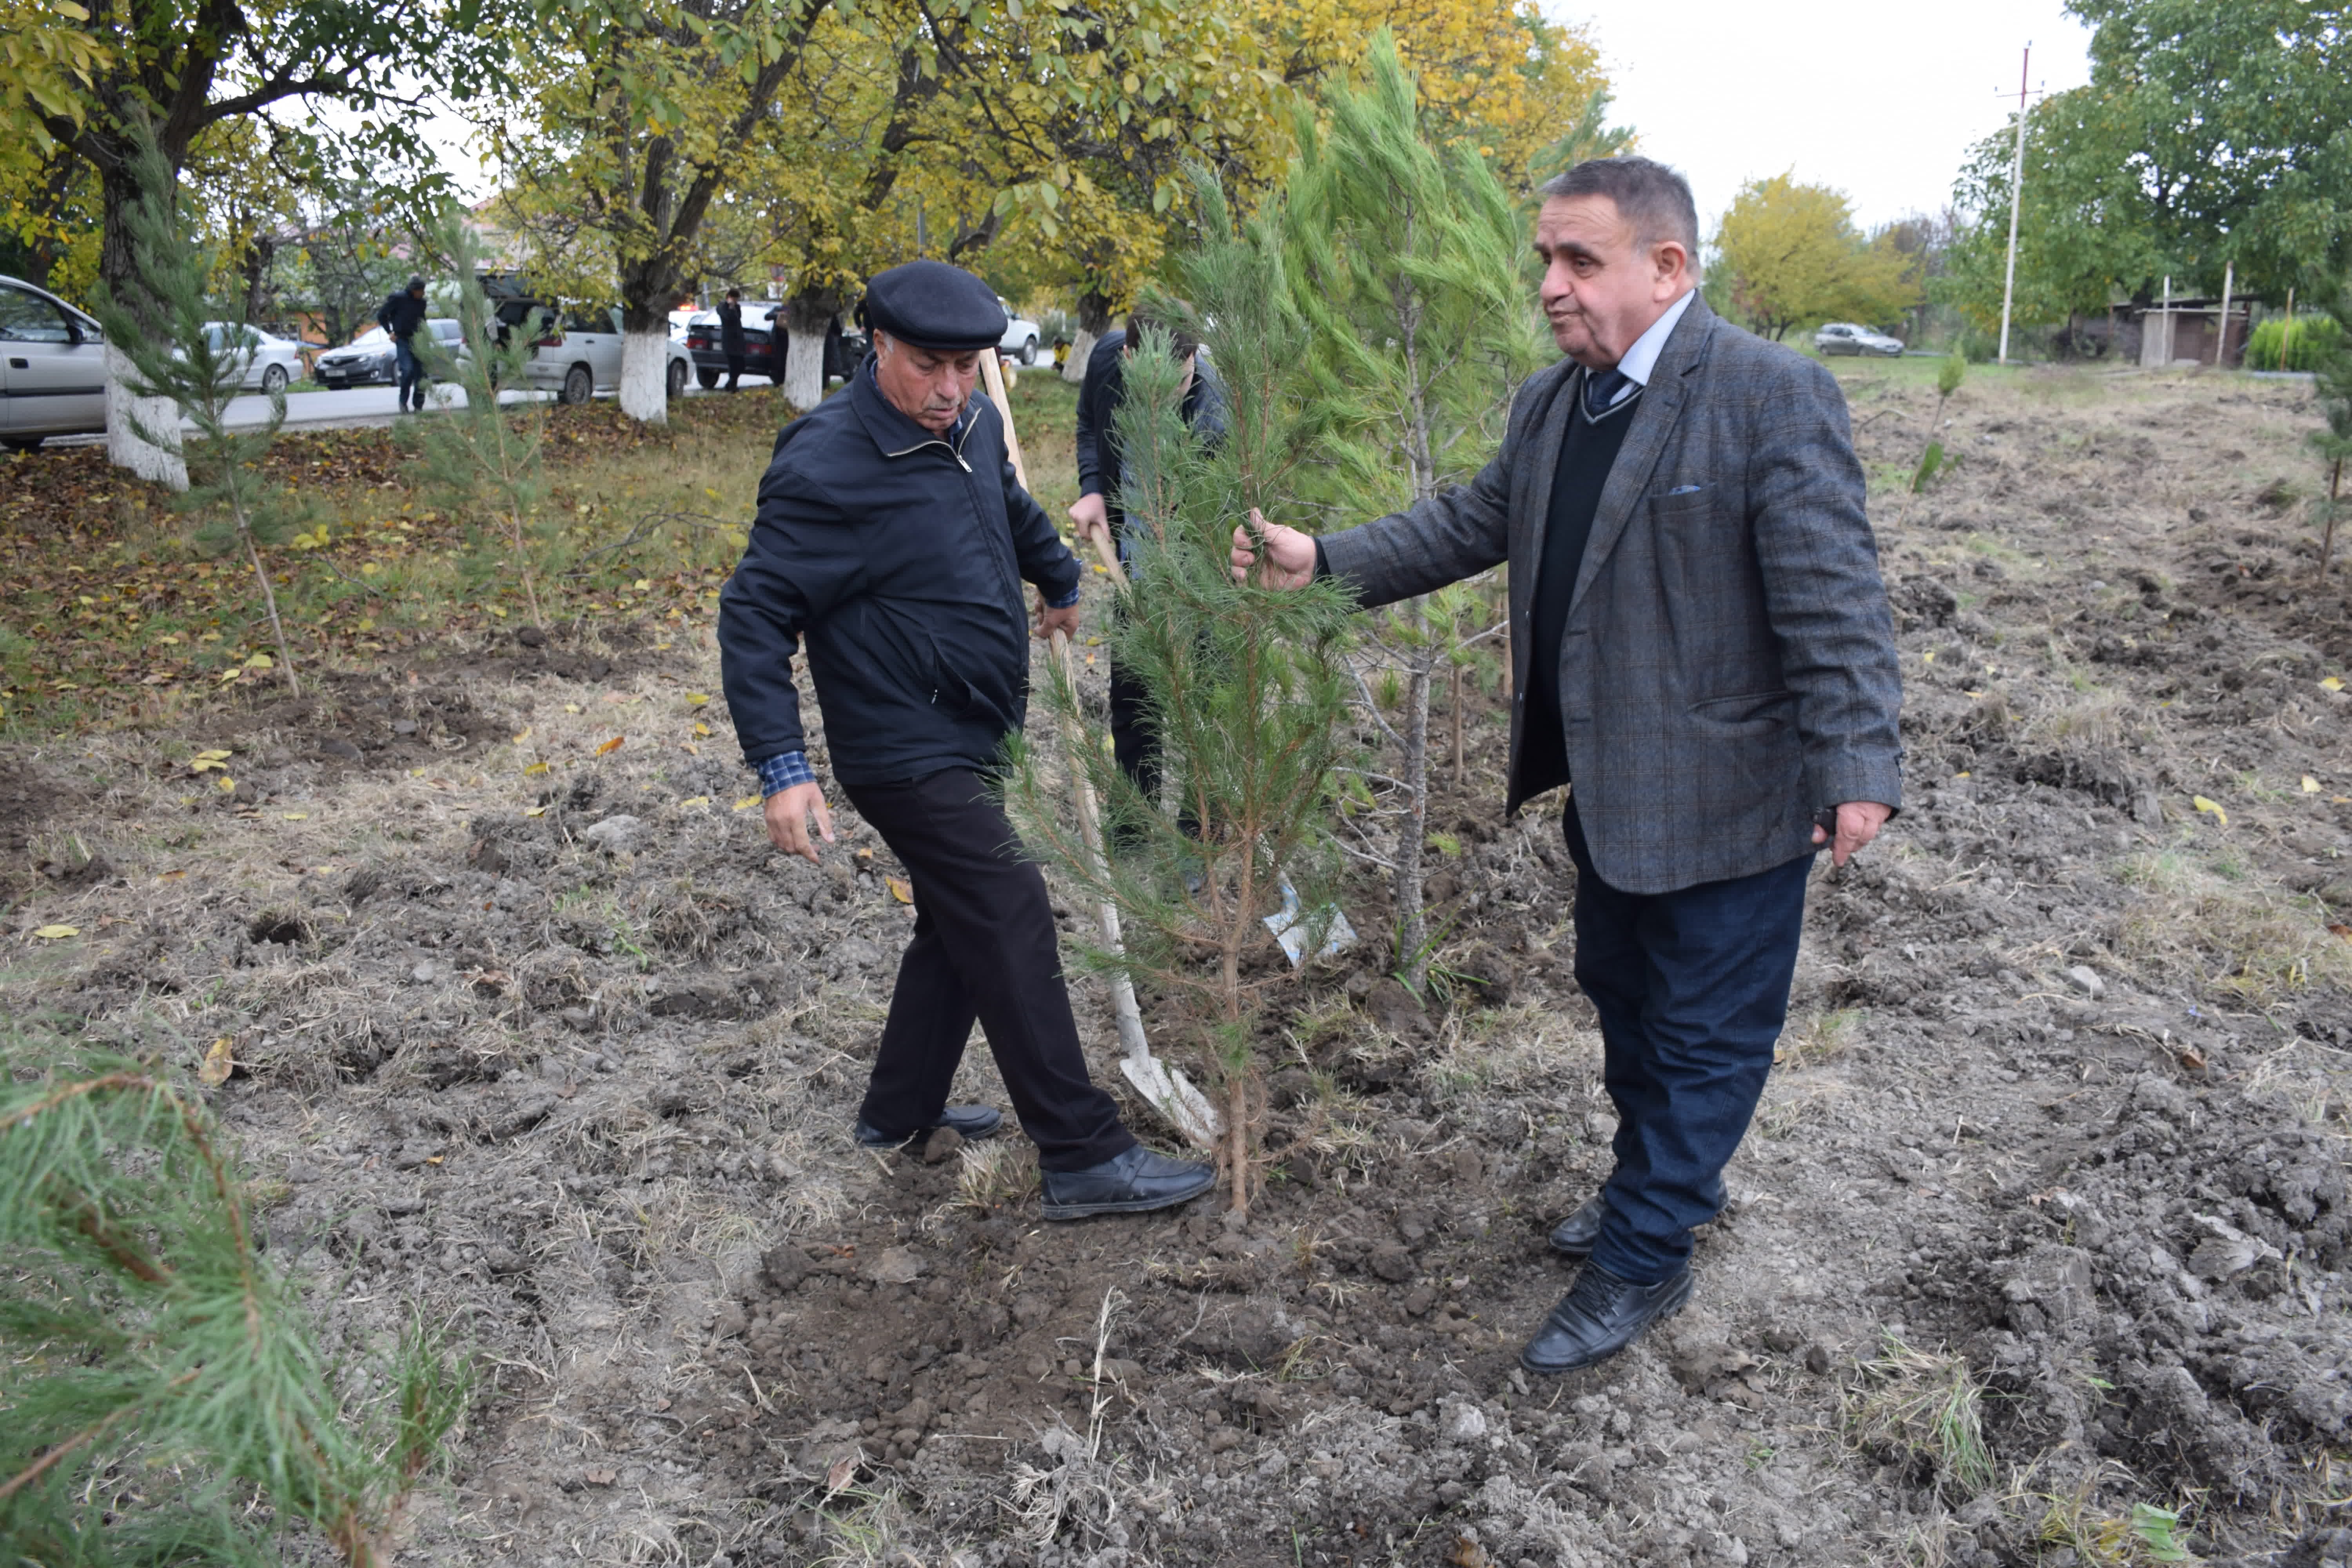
x: 896, y: 435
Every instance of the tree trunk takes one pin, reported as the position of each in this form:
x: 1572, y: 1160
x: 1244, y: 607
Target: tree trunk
x: 142, y: 434
x: 806, y: 318
x: 1093, y: 321
x: 1412, y: 925
x: 131, y: 420
x: 2327, y: 538
x: 1454, y: 712
x: 645, y: 375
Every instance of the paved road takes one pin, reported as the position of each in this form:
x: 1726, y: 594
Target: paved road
x: 349, y: 409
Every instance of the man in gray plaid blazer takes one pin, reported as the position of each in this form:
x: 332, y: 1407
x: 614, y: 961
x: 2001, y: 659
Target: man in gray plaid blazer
x: 1701, y: 650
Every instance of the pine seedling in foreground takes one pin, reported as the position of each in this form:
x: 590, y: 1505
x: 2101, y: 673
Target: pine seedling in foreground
x: 1407, y: 262
x: 2333, y: 388
x: 482, y: 458
x: 1949, y: 376
x: 166, y: 1393
x: 1247, y: 686
x: 173, y: 357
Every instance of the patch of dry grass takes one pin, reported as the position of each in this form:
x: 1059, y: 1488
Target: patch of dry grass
x: 2236, y: 929
x: 1913, y: 1405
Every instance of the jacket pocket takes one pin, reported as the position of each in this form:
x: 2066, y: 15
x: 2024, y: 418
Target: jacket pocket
x: 971, y: 688
x: 1748, y: 709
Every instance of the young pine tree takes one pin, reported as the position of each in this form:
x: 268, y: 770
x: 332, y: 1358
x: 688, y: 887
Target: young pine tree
x: 168, y: 1400
x: 1406, y: 261
x: 2333, y: 443
x: 182, y: 347
x: 482, y: 458
x: 1245, y: 684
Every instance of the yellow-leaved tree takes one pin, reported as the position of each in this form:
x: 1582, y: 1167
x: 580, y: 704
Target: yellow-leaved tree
x: 1790, y: 253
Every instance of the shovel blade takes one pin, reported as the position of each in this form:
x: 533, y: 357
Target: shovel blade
x: 1172, y: 1095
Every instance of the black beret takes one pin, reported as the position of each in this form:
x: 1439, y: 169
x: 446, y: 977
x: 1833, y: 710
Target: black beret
x: 932, y: 305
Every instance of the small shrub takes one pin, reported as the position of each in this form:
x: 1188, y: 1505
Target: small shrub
x: 2315, y: 338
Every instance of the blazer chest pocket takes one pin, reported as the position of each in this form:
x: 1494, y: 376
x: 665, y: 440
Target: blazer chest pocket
x: 1687, y: 496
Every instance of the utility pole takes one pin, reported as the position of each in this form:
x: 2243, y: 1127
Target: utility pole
x: 2016, y: 200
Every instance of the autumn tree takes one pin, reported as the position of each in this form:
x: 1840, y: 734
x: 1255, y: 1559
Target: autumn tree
x: 1790, y: 253
x: 642, y: 115
x: 1408, y: 262
x: 173, y: 69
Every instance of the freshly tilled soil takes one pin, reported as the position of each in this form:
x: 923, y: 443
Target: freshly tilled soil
x: 568, y: 1059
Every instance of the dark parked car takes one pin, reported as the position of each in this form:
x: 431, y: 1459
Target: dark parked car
x: 369, y: 359
x: 763, y: 344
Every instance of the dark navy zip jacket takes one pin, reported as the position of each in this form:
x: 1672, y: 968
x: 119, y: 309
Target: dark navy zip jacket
x: 898, y: 555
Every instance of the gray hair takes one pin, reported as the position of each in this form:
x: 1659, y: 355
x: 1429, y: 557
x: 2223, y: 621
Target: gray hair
x: 1651, y: 198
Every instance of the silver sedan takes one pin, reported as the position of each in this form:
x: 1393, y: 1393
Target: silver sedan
x: 253, y: 359
x: 1846, y: 338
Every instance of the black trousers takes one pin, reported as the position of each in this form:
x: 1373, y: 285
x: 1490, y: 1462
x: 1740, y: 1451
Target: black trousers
x: 984, y: 948
x: 734, y: 367
x: 1692, y: 987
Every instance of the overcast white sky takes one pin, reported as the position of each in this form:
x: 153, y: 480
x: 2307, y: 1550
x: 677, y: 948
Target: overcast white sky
x: 1878, y: 98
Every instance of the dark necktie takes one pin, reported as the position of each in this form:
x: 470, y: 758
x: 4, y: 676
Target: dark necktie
x: 1600, y: 390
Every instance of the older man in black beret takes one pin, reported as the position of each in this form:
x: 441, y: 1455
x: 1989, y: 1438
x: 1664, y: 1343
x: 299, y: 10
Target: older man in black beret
x: 893, y: 538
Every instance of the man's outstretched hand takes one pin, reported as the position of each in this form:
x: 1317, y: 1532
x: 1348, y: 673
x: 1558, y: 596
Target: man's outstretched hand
x: 1858, y: 822
x: 1289, y: 554
x: 788, y: 811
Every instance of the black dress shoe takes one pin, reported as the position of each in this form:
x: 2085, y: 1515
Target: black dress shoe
x: 973, y: 1122
x: 1601, y: 1316
x: 1134, y: 1183
x: 1575, y: 1235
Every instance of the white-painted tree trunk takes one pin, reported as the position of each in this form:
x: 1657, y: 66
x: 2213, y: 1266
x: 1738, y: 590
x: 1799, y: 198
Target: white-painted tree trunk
x: 644, y: 376
x: 803, y: 368
x: 126, y: 416
x: 1081, y: 349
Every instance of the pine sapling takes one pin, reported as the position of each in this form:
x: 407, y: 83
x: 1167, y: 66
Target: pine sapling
x: 1244, y: 686
x: 167, y: 1391
x: 480, y: 456
x: 1949, y: 376
x: 2333, y: 387
x: 184, y: 348
x: 1407, y: 262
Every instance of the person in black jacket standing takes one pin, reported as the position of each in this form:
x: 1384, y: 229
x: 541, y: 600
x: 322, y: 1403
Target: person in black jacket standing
x: 730, y: 335
x: 893, y: 538
x: 402, y: 314
x: 1101, y: 473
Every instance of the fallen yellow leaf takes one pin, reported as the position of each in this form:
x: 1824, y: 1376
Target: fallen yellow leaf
x: 536, y: 811
x: 2201, y: 804
x: 572, y: 708
x: 518, y: 739
x: 702, y: 729
x: 533, y: 771
x: 695, y: 800
x: 225, y: 783
x: 173, y: 875
x: 1927, y: 657
x: 217, y: 1064
x: 696, y: 699
x: 2331, y: 684
x: 297, y: 815
x: 57, y: 933
x: 612, y: 746
x: 746, y: 803
x: 2310, y: 785
x: 900, y: 889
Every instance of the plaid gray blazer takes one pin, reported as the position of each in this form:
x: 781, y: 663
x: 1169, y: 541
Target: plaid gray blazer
x: 1728, y: 665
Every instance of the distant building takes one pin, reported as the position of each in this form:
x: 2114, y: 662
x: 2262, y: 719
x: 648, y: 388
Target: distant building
x: 2187, y: 331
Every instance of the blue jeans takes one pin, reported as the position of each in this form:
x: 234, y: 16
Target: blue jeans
x: 1693, y: 988
x: 412, y: 371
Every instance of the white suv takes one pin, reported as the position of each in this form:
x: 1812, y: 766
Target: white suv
x: 577, y: 354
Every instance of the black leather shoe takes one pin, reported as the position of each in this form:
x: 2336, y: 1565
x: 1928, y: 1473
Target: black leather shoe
x: 1134, y: 1183
x: 1575, y: 1235
x: 974, y: 1123
x: 1601, y: 1316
